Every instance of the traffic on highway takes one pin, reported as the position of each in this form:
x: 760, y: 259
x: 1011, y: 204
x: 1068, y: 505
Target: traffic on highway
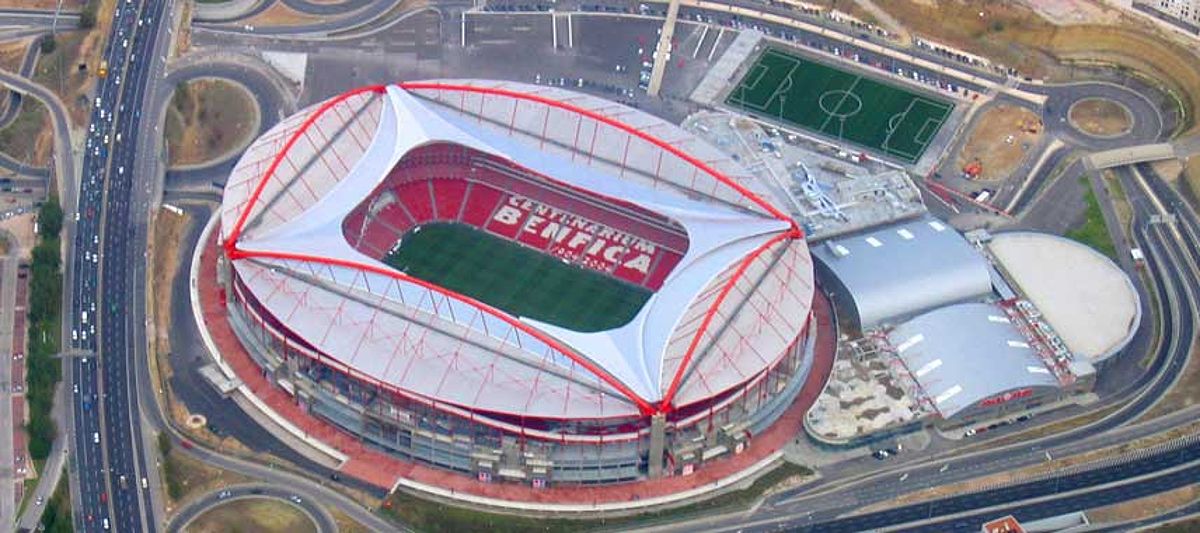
x: 107, y: 430
x: 756, y: 203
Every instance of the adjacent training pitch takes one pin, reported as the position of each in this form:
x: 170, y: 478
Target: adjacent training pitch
x: 515, y: 278
x: 893, y: 121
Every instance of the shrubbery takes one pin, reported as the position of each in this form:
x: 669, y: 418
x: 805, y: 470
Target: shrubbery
x: 43, y: 370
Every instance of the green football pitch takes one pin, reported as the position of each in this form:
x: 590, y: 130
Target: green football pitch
x: 881, y: 117
x: 515, y: 278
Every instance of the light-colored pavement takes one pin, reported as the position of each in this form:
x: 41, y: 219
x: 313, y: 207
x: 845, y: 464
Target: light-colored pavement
x: 227, y: 11
x: 8, y: 466
x: 51, y: 471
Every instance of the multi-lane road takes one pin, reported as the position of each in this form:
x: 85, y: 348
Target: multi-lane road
x: 105, y: 272
x: 109, y: 461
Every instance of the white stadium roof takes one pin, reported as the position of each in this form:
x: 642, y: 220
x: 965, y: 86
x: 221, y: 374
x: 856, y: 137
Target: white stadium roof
x: 729, y: 309
x: 905, y: 268
x: 965, y: 353
x: 1088, y: 300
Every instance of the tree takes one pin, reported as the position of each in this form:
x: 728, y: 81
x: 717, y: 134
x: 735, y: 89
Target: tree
x: 48, y: 44
x: 50, y: 219
x: 87, y: 17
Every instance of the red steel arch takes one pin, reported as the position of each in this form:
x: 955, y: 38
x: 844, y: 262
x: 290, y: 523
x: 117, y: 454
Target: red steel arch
x: 642, y: 404
x: 664, y: 406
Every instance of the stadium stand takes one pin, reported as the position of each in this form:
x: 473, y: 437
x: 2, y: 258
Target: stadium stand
x: 447, y: 183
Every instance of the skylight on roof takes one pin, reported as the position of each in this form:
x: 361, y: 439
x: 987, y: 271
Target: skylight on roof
x: 937, y: 226
x: 876, y: 243
x: 905, y: 234
x: 950, y: 393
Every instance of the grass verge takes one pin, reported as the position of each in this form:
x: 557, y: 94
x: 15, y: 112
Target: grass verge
x: 45, y: 298
x: 263, y: 515
x: 1093, y: 232
x: 1187, y: 526
x: 57, y: 516
x: 186, y: 477
x: 1191, y: 177
x: 28, y: 138
x: 209, y: 118
x: 425, y: 515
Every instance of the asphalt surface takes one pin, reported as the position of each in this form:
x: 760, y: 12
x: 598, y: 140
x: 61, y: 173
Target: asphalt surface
x: 38, y: 18
x: 298, y: 498
x: 272, y: 106
x: 1168, y: 361
x: 24, y: 176
x: 64, y: 163
x: 109, y: 450
x: 345, y: 15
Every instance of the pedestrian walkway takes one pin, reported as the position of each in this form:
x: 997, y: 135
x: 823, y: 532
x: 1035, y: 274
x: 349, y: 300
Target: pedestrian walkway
x: 386, y: 471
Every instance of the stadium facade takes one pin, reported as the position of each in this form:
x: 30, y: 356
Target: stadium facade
x: 516, y: 282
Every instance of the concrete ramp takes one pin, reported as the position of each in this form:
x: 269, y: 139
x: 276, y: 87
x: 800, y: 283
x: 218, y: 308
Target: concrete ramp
x: 1131, y: 155
x: 722, y: 72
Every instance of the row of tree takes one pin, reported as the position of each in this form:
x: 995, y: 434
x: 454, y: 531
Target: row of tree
x: 43, y: 369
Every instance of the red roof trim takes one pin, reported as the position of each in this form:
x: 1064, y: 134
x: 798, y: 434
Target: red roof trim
x: 236, y: 232
x: 665, y: 404
x: 495, y: 91
x: 233, y: 252
x: 642, y: 404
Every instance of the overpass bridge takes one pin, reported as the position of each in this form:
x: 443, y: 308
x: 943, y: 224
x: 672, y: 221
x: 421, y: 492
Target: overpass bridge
x: 1131, y: 155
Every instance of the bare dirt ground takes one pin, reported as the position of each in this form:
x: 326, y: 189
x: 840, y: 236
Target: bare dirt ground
x: 1014, y: 35
x: 1100, y: 116
x: 1144, y: 507
x: 1063, y: 12
x: 196, y: 478
x: 1000, y: 140
x: 1185, y: 392
x: 21, y: 227
x: 70, y: 5
x: 167, y: 230
x: 281, y: 15
x: 254, y: 514
x: 11, y: 54
x: 1186, y: 525
x: 59, y: 70
x: 1191, y: 175
x: 208, y: 118
x: 345, y: 524
x: 30, y: 137
x: 1120, y: 201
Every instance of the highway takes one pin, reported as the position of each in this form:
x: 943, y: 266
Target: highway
x: 113, y: 202
x: 109, y: 459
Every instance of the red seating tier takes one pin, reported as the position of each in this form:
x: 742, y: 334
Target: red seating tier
x: 452, y: 184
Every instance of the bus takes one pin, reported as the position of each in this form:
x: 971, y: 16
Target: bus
x: 1138, y: 257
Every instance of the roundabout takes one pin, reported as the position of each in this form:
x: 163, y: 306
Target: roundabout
x: 1100, y: 117
x: 254, y: 507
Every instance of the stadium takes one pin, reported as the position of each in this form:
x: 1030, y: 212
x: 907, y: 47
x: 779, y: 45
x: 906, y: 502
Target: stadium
x: 516, y: 282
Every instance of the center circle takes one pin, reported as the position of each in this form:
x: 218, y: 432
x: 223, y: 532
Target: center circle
x: 840, y: 103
